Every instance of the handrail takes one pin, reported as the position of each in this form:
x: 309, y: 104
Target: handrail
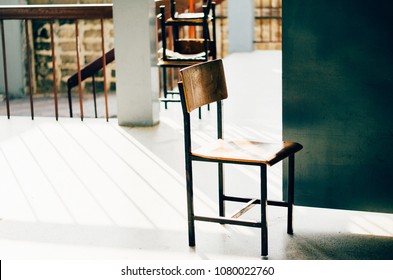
x: 51, y: 13
x: 86, y: 72
x: 85, y: 11
x: 90, y: 69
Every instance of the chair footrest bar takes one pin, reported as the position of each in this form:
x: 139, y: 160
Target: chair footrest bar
x: 242, y: 211
x: 255, y: 201
x: 172, y: 92
x: 169, y: 100
x: 241, y: 199
x: 221, y: 220
x: 278, y: 203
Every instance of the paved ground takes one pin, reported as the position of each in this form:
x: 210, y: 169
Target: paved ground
x: 97, y: 190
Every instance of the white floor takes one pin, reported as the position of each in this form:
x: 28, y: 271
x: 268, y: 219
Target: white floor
x: 94, y: 190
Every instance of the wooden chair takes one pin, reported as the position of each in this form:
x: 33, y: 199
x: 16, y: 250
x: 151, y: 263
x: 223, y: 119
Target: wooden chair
x: 189, y: 48
x: 185, y: 51
x: 203, y: 84
x: 202, y: 16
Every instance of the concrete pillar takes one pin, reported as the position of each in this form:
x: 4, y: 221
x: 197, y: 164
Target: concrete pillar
x: 15, y: 55
x: 136, y: 71
x: 337, y: 96
x: 241, y: 25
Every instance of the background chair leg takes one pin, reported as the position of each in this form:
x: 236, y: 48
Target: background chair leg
x: 190, y: 205
x: 291, y: 192
x: 264, y: 232
x: 70, y: 101
x: 94, y: 95
x: 164, y: 85
x: 221, y: 189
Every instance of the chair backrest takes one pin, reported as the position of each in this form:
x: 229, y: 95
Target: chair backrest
x: 203, y: 83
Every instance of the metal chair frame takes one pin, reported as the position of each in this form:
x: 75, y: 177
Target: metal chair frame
x: 215, y: 69
x: 209, y: 43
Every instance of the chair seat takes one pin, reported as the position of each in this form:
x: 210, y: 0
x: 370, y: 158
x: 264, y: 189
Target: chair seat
x: 195, y: 47
x: 180, y: 56
x: 187, y: 20
x: 189, y: 15
x: 177, y: 63
x: 247, y: 151
x: 174, y: 59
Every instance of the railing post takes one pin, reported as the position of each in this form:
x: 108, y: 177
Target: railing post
x: 79, y: 69
x: 29, y: 67
x: 54, y: 69
x: 93, y: 79
x: 104, y: 68
x: 7, y: 98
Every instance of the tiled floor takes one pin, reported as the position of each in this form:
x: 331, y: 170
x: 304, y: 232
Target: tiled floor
x: 94, y: 190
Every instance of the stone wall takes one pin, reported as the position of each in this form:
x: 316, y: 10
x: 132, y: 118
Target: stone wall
x: 65, y: 50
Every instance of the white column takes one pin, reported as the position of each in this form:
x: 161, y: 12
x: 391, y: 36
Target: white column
x: 15, y: 54
x: 136, y: 71
x: 241, y: 25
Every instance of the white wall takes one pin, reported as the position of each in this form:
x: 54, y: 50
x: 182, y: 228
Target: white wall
x: 241, y: 25
x: 15, y: 54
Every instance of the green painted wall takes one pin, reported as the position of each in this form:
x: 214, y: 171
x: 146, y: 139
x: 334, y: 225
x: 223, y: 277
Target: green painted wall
x: 338, y: 101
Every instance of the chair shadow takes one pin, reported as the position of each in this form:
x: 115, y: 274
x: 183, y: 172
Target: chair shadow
x: 340, y: 246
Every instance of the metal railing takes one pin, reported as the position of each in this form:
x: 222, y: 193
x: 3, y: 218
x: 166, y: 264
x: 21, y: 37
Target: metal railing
x: 27, y: 13
x: 88, y: 71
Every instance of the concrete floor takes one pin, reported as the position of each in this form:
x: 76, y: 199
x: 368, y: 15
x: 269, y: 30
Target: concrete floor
x: 94, y: 190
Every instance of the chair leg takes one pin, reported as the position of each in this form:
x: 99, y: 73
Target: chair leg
x: 221, y: 189
x: 94, y: 96
x: 190, y: 204
x: 70, y: 101
x: 164, y: 85
x: 264, y: 232
x: 291, y: 192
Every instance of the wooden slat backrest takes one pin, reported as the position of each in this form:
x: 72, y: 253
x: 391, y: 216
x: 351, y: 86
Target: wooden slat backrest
x: 203, y: 83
